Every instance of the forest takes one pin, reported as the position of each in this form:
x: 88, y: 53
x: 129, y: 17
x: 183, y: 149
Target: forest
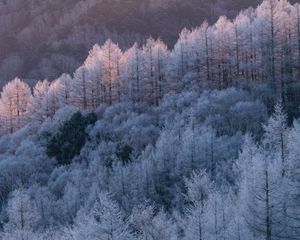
x: 45, y: 38
x: 195, y: 141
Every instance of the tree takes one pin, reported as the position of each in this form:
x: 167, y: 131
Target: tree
x: 123, y: 153
x: 147, y: 224
x: 155, y: 56
x: 210, y: 212
x: 244, y: 56
x: 103, y: 221
x: 46, y: 100
x: 275, y: 137
x: 70, y: 138
x: 223, y: 52
x: 15, y: 97
x: 51, y: 102
x: 80, y: 87
x: 132, y: 73
x: 293, y: 208
x: 268, y: 15
x: 111, y: 56
x: 199, y: 188
x: 94, y: 73
x: 64, y: 89
x: 179, y: 61
x: 202, y: 55
x: 23, y: 217
x: 261, y: 192
x: 36, y: 106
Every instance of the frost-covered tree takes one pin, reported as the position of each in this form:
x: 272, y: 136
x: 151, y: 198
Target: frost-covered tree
x: 64, y: 89
x: 79, y: 94
x: 23, y: 217
x: 293, y: 206
x: 155, y: 57
x: 199, y: 188
x: 51, y: 102
x: 132, y: 73
x: 275, y: 138
x: 36, y: 107
x: 103, y: 221
x: 15, y: 97
x: 46, y: 100
x: 146, y: 223
x: 179, y: 60
x: 262, y: 192
x: 111, y: 56
x: 94, y: 73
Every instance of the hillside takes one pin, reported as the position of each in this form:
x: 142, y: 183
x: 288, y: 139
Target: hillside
x: 198, y: 140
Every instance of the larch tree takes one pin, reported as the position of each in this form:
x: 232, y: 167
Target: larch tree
x: 79, y: 89
x: 111, y: 56
x: 275, y: 137
x: 155, y: 55
x: 179, y: 61
x: 103, y: 221
x: 261, y: 192
x: 93, y: 64
x: 293, y: 208
x: 36, y: 108
x: 199, y: 188
x: 15, y: 97
x: 243, y: 46
x: 64, y: 89
x: 202, y: 55
x: 52, y: 100
x: 46, y: 100
x: 82, y: 89
x: 23, y: 217
x: 132, y: 73
x: 267, y: 17
x: 223, y: 52
x: 148, y: 224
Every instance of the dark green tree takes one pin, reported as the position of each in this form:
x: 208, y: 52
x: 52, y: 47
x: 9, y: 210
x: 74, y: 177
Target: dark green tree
x: 124, y: 152
x: 70, y: 138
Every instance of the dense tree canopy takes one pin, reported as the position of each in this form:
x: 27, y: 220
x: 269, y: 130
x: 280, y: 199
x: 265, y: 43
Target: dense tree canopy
x: 45, y: 38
